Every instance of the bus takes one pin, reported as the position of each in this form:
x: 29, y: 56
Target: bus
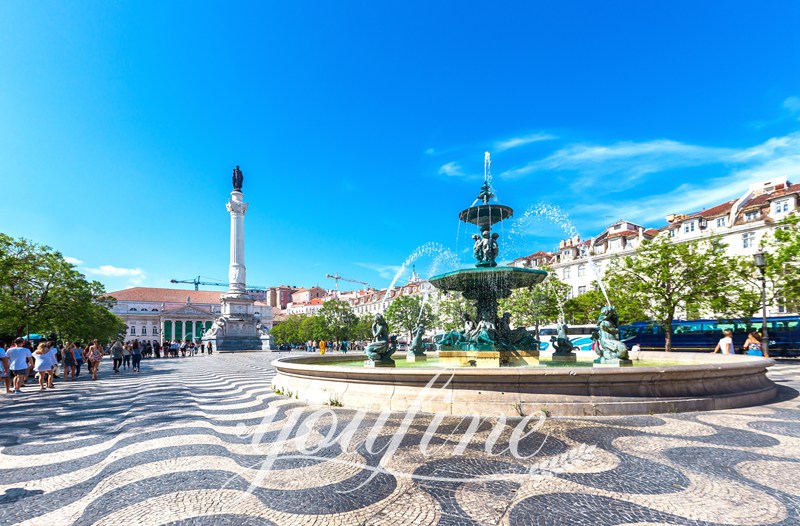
x: 703, y: 335
x: 579, y: 335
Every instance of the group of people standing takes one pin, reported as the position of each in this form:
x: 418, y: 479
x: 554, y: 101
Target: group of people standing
x: 21, y: 360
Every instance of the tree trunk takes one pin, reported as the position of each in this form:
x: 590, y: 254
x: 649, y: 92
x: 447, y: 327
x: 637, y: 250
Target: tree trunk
x: 668, y: 336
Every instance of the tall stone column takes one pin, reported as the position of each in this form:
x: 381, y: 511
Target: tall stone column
x: 236, y: 271
x: 238, y: 328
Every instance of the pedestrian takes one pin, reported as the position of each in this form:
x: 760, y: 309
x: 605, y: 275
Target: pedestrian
x: 68, y: 360
x: 753, y: 345
x: 20, y: 360
x: 156, y: 350
x: 136, y: 355
x: 54, y: 355
x: 126, y: 354
x: 322, y: 347
x: 116, y: 354
x: 5, y: 367
x: 636, y: 347
x: 725, y: 344
x: 95, y: 354
x: 77, y: 350
x: 43, y: 365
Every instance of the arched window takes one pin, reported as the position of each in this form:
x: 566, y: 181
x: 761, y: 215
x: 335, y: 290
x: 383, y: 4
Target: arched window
x: 154, y: 310
x: 132, y: 309
x: 133, y: 331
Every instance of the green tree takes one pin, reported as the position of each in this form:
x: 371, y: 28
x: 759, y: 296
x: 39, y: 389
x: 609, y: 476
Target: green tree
x: 40, y: 291
x: 667, y: 277
x: 584, y: 308
x: 288, y: 331
x: 450, y: 309
x: 537, y: 305
x: 339, y: 319
x: 313, y: 328
x: 406, y: 311
x: 363, y: 328
x: 783, y: 262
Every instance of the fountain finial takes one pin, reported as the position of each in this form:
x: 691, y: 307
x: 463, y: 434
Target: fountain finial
x: 486, y: 189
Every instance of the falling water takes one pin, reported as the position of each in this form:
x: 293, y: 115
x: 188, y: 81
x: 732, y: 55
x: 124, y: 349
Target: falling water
x: 522, y: 225
x: 558, y: 298
x: 443, y: 255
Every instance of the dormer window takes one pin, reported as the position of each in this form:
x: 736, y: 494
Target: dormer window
x: 752, y: 215
x: 132, y: 309
x: 688, y: 227
x: 672, y: 232
x: 721, y: 221
x: 781, y: 206
x: 617, y: 227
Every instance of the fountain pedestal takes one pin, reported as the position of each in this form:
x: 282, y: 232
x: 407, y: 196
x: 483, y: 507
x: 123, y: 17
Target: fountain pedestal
x: 411, y: 357
x: 378, y: 363
x: 478, y: 358
x: 571, y: 357
x: 613, y: 363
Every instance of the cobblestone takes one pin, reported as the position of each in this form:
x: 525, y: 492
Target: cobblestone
x: 206, y: 441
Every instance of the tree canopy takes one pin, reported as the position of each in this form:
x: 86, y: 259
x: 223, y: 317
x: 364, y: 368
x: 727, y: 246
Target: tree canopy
x: 406, y: 311
x: 666, y: 278
x: 41, y: 292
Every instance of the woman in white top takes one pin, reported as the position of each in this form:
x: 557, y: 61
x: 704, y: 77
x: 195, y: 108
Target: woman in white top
x: 725, y: 344
x: 43, y: 365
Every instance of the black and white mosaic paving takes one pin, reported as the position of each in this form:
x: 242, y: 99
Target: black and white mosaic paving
x: 205, y: 440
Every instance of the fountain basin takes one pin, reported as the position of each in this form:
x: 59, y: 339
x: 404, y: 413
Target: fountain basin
x: 472, y: 280
x: 486, y: 215
x: 701, y: 382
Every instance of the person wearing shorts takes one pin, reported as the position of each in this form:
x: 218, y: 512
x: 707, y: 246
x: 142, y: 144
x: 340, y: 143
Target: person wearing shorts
x: 95, y: 356
x: 20, y: 359
x: 5, y: 367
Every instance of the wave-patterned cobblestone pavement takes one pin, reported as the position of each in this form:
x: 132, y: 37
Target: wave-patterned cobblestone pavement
x: 204, y: 440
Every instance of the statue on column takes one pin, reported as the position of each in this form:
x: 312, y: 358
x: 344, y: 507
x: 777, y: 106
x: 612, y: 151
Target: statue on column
x: 238, y: 179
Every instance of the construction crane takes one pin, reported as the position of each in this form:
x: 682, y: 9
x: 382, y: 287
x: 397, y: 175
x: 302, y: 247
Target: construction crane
x: 197, y: 282
x: 337, y: 277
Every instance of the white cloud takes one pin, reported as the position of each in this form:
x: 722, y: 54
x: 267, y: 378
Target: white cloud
x: 72, y: 261
x: 514, y: 142
x: 451, y: 170
x: 384, y: 271
x: 792, y: 104
x: 631, y: 160
x: 430, y: 151
x: 136, y: 276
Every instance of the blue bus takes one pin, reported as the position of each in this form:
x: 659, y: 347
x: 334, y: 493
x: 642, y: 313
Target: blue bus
x: 703, y: 335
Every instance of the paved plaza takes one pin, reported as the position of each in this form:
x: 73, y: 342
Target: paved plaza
x: 204, y: 440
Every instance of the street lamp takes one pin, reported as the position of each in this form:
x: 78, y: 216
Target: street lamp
x: 760, y: 261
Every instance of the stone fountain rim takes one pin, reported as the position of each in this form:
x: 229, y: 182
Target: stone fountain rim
x: 720, y: 362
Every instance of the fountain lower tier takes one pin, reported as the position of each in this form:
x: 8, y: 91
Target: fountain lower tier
x: 486, y: 285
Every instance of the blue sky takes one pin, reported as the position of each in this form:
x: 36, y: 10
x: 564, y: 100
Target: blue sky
x: 360, y: 126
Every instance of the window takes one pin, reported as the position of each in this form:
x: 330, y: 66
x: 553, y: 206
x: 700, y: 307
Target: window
x: 751, y: 216
x: 781, y: 206
x: 155, y: 330
x: 672, y: 232
x: 132, y: 309
x: 721, y: 221
x: 581, y: 270
x: 748, y: 240
x: 567, y: 273
x: 613, y: 244
x: 581, y: 290
x: 688, y: 227
x: 133, y: 331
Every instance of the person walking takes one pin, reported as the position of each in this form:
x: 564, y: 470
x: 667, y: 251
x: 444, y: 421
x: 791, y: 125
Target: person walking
x: 5, y: 367
x: 725, y: 344
x: 322, y: 347
x: 136, y: 355
x: 20, y: 359
x: 77, y: 350
x: 54, y: 355
x: 94, y: 354
x: 68, y: 361
x: 43, y: 365
x: 116, y: 355
x: 127, y: 350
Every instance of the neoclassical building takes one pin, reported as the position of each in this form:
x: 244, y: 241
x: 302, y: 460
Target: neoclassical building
x: 172, y: 314
x: 741, y: 224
